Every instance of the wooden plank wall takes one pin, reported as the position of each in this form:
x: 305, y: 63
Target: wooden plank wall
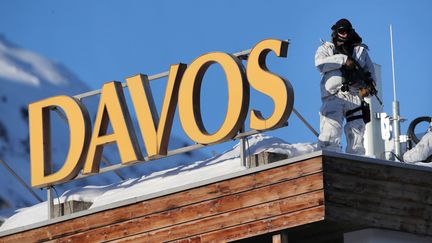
x: 378, y: 195
x: 246, y: 206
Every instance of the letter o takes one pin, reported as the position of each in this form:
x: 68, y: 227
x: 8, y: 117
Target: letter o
x: 189, y: 98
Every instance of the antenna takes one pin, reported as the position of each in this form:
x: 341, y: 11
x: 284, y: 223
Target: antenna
x: 395, y: 105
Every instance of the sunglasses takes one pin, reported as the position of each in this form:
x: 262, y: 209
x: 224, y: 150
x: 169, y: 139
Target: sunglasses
x: 344, y: 30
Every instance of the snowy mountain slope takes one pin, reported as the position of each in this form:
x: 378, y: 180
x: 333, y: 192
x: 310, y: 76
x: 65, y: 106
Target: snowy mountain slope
x: 187, y: 173
x: 27, y: 77
x: 24, y: 77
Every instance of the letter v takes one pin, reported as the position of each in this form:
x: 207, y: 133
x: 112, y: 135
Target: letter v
x: 155, y: 131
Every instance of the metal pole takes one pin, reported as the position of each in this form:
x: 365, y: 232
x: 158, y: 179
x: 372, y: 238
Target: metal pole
x: 393, y: 66
x: 107, y: 163
x: 50, y: 201
x: 170, y: 153
x: 396, y: 129
x: 20, y: 180
x: 242, y: 149
x: 305, y: 122
x: 395, y: 105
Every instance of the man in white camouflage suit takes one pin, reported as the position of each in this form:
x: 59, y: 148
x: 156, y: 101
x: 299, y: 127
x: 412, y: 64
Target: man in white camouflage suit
x: 342, y: 98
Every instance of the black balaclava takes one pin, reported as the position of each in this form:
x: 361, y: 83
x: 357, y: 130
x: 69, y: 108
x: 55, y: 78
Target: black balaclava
x: 345, y: 45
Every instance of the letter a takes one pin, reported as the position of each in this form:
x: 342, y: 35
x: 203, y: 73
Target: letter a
x: 112, y: 108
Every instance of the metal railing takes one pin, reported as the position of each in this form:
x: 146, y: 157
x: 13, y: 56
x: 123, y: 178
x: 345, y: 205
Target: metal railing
x: 242, y: 135
x: 20, y: 180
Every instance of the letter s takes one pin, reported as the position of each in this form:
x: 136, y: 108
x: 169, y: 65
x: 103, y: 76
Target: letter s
x: 270, y: 84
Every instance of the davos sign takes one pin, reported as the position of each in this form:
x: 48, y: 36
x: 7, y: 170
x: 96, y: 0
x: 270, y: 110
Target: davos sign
x: 182, y: 90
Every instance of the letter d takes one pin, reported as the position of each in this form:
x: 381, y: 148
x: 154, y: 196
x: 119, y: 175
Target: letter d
x: 40, y: 140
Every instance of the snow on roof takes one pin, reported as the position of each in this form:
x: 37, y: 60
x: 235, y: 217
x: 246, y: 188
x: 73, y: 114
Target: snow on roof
x: 161, y: 180
x: 186, y: 173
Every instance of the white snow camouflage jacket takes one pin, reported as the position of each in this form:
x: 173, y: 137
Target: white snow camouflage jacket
x: 422, y: 150
x: 329, y: 65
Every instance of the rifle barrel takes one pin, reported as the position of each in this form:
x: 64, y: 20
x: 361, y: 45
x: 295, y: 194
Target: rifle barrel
x: 379, y: 100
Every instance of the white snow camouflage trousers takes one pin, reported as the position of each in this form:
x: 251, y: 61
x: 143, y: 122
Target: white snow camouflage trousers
x: 422, y: 150
x: 332, y: 116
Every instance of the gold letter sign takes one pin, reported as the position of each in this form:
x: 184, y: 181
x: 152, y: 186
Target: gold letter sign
x: 154, y: 131
x: 183, y: 89
x: 40, y: 141
x: 278, y: 88
x: 112, y: 108
x: 189, y: 98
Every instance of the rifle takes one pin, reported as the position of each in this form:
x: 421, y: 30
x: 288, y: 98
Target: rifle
x: 358, y: 74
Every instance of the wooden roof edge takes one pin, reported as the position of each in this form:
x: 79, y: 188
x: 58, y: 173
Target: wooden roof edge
x: 371, y: 160
x: 161, y: 193
x: 126, y: 202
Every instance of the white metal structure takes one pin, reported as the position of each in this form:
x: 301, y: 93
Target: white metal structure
x: 373, y: 142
